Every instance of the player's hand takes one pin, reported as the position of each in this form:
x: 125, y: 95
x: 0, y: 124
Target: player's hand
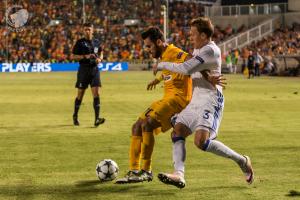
x: 152, y: 84
x: 214, y: 80
x: 87, y: 56
x: 93, y: 56
x: 98, y: 60
x: 189, y: 56
x: 154, y: 69
x: 218, y: 80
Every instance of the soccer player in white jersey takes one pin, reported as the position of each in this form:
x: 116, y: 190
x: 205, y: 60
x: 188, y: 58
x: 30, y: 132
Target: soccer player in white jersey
x: 204, y: 113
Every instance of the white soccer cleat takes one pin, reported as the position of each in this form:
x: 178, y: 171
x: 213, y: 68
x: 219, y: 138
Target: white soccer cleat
x: 175, y: 179
x: 248, y: 170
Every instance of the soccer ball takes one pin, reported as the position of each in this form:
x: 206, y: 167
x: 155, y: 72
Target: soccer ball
x: 107, y: 170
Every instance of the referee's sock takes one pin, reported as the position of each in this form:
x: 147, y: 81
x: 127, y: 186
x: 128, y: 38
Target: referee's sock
x: 96, y: 107
x: 76, y: 107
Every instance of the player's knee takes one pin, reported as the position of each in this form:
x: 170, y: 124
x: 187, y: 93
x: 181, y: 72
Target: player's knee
x: 80, y: 95
x: 148, y: 125
x: 176, y: 137
x: 202, y: 143
x: 201, y: 139
x: 199, y: 143
x: 95, y: 94
x: 181, y: 130
x: 137, y: 128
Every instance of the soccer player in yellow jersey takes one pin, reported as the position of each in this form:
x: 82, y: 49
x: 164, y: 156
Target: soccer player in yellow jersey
x: 157, y: 118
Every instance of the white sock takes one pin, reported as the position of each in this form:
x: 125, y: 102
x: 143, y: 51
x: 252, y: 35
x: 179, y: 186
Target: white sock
x: 179, y: 155
x: 220, y: 149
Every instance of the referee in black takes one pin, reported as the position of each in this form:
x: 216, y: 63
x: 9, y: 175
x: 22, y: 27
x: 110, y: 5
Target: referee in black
x: 88, y: 52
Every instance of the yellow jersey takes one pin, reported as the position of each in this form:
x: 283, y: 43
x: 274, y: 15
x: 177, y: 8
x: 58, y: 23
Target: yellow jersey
x: 177, y: 94
x: 174, y: 83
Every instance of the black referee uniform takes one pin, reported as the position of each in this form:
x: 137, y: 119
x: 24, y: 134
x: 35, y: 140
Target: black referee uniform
x: 88, y: 74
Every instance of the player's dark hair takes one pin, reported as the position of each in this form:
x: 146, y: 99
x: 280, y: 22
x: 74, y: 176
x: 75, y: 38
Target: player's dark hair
x: 203, y: 25
x: 88, y: 24
x: 154, y: 34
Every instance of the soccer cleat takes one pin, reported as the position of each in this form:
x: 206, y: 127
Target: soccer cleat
x: 75, y: 120
x: 130, y: 177
x: 146, y: 176
x: 175, y: 179
x: 248, y: 170
x: 99, y: 121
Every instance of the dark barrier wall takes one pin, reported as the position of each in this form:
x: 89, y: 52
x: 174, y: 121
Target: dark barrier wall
x: 247, y: 2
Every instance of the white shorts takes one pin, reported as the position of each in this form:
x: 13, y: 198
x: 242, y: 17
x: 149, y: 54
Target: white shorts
x: 205, y: 115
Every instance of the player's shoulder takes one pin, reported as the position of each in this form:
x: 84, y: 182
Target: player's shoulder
x: 173, y: 48
x: 174, y: 53
x: 209, y: 49
x: 212, y: 46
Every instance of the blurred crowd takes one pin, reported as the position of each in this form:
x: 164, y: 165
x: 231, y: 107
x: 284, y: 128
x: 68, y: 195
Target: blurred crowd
x: 180, y: 15
x: 54, y: 27
x: 262, y: 57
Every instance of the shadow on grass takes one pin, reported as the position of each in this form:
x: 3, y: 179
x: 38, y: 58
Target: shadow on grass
x: 82, y: 188
x: 87, y: 183
x: 236, y: 187
x: 293, y: 193
x: 58, y: 125
x: 37, y: 126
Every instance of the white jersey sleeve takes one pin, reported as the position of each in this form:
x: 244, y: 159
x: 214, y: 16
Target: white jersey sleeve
x: 198, y: 63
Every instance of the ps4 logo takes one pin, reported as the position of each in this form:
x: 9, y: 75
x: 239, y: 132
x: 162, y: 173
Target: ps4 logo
x: 113, y: 66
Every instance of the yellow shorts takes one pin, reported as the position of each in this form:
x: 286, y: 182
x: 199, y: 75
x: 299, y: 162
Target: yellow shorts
x: 163, y: 110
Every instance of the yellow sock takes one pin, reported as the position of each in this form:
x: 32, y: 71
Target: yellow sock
x: 147, y: 149
x: 135, y: 152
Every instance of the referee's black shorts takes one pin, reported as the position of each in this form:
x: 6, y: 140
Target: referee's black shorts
x: 86, y: 76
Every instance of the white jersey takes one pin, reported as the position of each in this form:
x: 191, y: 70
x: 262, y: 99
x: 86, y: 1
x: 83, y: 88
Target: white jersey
x: 210, y: 53
x: 206, y: 107
x: 208, y: 57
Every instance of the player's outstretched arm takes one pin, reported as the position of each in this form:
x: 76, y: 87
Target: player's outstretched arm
x: 196, y: 63
x: 188, y: 67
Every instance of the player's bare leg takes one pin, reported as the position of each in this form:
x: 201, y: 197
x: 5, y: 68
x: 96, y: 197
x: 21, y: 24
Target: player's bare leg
x: 78, y: 100
x: 203, y: 142
x: 176, y: 178
x: 96, y: 105
x: 132, y: 175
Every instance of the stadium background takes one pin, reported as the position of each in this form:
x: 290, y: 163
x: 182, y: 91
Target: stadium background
x: 44, y: 157
x: 53, y: 27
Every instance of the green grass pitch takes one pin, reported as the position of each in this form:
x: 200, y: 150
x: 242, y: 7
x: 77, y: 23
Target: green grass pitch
x: 42, y: 156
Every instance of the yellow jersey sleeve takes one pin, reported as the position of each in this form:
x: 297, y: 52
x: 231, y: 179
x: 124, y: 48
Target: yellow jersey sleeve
x: 174, y: 83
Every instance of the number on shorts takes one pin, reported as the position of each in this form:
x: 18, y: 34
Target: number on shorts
x: 206, y: 116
